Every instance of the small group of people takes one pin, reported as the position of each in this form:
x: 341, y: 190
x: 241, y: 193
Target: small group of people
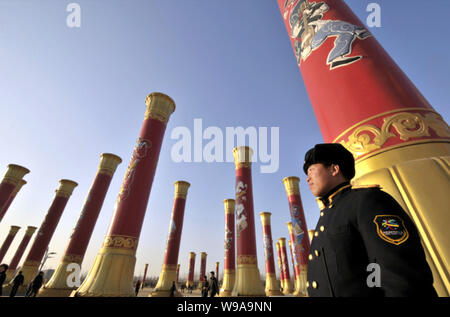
x: 212, y: 286
x: 32, y: 289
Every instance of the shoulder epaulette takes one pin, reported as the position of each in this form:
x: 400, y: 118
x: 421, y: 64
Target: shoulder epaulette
x: 366, y: 186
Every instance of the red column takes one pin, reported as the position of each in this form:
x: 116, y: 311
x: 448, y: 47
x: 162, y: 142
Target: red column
x: 5, y: 207
x: 81, y: 234
x: 280, y: 266
x: 145, y: 276
x: 190, y: 279
x: 298, y: 233
x: 19, y: 252
x: 112, y: 272
x: 201, y: 279
x: 10, y: 181
x: 364, y: 101
x: 287, y: 288
x: 45, y: 233
x: 169, y: 268
x: 178, y: 272
x: 229, y: 266
x: 272, y: 286
x: 9, y: 238
x: 295, y: 269
x: 217, y: 271
x: 248, y: 280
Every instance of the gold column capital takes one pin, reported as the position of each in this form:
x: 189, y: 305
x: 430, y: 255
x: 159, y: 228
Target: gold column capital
x: 265, y: 218
x: 159, y: 107
x: 146, y: 265
x: 242, y: 156
x: 191, y: 255
x: 282, y: 242
x: 13, y: 230
x: 181, y: 189
x: 66, y: 188
x: 108, y: 163
x: 14, y: 174
x: 30, y: 230
x: 289, y: 225
x: 203, y: 255
x: 291, y: 184
x: 229, y: 205
x: 18, y: 187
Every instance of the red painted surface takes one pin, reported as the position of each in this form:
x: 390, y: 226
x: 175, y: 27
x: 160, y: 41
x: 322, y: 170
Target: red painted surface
x: 6, y: 189
x: 202, y: 269
x: 19, y: 252
x: 85, y: 226
x: 301, y: 250
x: 230, y: 260
x: 282, y: 277
x: 6, y: 244
x: 347, y: 95
x: 132, y: 201
x: 268, y: 249
x: 245, y: 238
x: 191, y: 269
x: 174, y: 238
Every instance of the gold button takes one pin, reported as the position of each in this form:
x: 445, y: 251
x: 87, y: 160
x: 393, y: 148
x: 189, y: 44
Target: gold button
x: 316, y: 253
x: 322, y: 228
x: 310, y: 257
x: 307, y: 284
x: 321, y: 214
x: 316, y: 234
x: 314, y: 284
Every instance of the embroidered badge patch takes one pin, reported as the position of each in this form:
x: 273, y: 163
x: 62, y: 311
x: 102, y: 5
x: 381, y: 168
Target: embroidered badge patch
x: 391, y: 228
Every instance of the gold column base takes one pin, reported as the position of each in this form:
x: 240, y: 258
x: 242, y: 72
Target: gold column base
x: 417, y: 176
x: 10, y: 275
x: 57, y: 285
x: 189, y: 283
x: 111, y: 274
x: 200, y: 285
x: 55, y: 292
x: 166, y: 278
x: 300, y: 285
x: 29, y: 270
x: 272, y: 285
x: 248, y: 281
x: 229, y: 277
x: 288, y: 287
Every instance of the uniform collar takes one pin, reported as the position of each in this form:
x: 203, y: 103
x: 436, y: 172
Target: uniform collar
x: 327, y: 200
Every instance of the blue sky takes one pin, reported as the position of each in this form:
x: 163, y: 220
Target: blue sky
x: 69, y: 94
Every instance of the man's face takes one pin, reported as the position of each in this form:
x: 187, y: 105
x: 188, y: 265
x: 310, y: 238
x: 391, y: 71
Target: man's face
x: 319, y: 179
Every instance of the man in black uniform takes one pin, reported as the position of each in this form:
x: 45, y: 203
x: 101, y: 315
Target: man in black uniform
x: 364, y: 243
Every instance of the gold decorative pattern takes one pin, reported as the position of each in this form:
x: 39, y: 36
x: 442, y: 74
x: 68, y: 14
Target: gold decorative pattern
x: 229, y: 205
x: 191, y: 255
x: 169, y: 267
x: 66, y: 188
x: 18, y: 187
x: 108, y: 164
x: 30, y: 230
x: 14, y: 174
x: 368, y: 138
x: 246, y: 259
x: 159, y: 107
x: 265, y: 218
x: 72, y: 258
x: 291, y: 184
x: 121, y: 242
x: 289, y: 225
x: 242, y: 156
x: 181, y: 189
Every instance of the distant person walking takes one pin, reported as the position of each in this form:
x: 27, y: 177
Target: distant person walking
x: 3, y: 269
x: 205, y: 287
x: 173, y: 289
x: 34, y: 287
x: 213, y: 285
x: 18, y: 281
x: 137, y: 287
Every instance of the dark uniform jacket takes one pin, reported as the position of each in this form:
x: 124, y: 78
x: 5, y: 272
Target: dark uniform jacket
x: 358, y: 227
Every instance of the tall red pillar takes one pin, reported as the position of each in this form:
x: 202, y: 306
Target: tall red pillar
x: 178, y: 273
x: 280, y: 266
x: 201, y: 279
x: 288, y: 287
x: 294, y: 263
x: 229, y: 263
x: 57, y: 286
x: 364, y: 101
x: 8, y: 240
x: 19, y: 252
x: 145, y: 276
x: 272, y: 286
x: 169, y: 269
x: 217, y: 271
x: 248, y: 281
x: 35, y: 255
x: 191, y: 271
x: 298, y: 233
x: 13, y: 195
x: 113, y: 269
x: 9, y: 183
